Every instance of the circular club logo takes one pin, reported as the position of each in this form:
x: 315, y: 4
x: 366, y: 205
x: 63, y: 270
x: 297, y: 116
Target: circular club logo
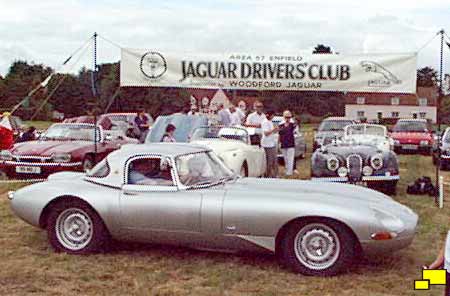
x: 153, y: 65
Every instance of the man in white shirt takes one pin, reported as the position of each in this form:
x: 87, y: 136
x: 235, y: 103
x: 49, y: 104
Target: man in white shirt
x: 224, y: 116
x: 241, y: 110
x: 235, y: 118
x: 256, y: 118
x: 269, y: 141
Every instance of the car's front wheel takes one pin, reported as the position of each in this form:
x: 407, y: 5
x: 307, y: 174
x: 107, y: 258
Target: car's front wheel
x: 318, y: 247
x: 75, y: 228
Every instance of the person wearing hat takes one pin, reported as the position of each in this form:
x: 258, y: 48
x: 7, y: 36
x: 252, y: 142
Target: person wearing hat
x: 287, y: 141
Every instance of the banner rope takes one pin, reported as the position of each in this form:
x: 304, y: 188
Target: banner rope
x: 57, y: 85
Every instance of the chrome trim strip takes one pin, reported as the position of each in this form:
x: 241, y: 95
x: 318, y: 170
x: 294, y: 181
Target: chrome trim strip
x: 380, y: 178
x: 329, y: 179
x: 41, y: 164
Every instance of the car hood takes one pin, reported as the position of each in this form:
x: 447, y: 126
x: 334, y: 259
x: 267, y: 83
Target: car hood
x: 326, y: 134
x: 346, y: 150
x: 411, y: 136
x: 308, y: 190
x: 221, y: 146
x: 47, y: 148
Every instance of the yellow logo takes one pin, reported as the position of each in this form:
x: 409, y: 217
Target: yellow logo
x: 430, y: 277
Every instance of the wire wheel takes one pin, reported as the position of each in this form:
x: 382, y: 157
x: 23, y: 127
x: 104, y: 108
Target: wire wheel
x: 317, y: 246
x: 74, y: 229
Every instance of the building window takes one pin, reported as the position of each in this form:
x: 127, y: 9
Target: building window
x: 360, y: 114
x: 423, y: 115
x: 395, y: 101
x: 360, y: 100
x: 423, y: 102
x: 395, y: 114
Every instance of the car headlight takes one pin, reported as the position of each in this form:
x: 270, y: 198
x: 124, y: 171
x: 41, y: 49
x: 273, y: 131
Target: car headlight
x: 367, y: 170
x: 376, y: 161
x: 342, y: 172
x: 61, y: 157
x: 424, y: 143
x: 332, y: 163
x: 6, y: 155
x: 388, y: 221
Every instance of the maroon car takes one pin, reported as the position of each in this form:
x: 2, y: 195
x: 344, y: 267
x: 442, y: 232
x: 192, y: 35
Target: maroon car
x: 63, y: 147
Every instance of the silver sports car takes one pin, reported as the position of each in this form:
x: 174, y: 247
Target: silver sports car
x: 182, y: 194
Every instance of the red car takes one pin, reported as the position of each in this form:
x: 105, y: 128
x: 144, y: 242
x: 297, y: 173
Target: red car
x: 63, y: 147
x: 412, y: 135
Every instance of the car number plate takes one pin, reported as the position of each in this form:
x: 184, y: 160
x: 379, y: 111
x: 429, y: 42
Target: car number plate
x: 410, y: 147
x: 28, y: 170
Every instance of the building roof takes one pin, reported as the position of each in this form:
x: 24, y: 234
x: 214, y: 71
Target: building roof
x: 430, y: 93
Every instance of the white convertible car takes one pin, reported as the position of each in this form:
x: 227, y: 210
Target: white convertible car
x: 233, y: 146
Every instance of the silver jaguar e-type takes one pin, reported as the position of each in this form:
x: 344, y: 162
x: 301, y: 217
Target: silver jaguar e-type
x: 182, y: 194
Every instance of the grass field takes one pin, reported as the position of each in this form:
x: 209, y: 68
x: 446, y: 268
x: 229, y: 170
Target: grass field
x: 30, y: 267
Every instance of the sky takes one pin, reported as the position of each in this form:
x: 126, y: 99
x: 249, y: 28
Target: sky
x: 48, y: 31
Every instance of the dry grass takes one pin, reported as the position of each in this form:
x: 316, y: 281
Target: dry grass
x: 29, y: 266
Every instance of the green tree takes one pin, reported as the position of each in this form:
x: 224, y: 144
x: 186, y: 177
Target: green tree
x: 321, y: 48
x: 427, y: 77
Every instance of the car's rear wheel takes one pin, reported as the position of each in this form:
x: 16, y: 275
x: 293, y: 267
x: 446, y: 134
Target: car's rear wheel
x: 88, y: 163
x: 318, y: 247
x: 73, y: 227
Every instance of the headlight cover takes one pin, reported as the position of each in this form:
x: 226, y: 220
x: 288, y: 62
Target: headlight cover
x: 6, y: 155
x: 376, y: 161
x: 61, y: 157
x: 332, y: 163
x: 389, y: 221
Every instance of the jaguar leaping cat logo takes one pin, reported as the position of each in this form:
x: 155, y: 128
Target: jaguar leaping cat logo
x: 374, y: 67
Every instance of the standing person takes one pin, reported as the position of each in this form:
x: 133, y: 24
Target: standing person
x: 142, y: 124
x: 287, y: 141
x: 6, y: 132
x: 443, y: 260
x: 269, y: 143
x: 224, y: 116
x: 256, y: 118
x: 242, y: 110
x: 168, y: 136
x: 193, y: 111
x: 29, y: 135
x: 235, y: 118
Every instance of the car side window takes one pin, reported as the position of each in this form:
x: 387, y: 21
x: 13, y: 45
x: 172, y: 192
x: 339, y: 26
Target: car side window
x: 150, y: 171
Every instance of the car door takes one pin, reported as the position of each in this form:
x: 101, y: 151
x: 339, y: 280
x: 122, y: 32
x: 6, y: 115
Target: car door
x: 153, y: 207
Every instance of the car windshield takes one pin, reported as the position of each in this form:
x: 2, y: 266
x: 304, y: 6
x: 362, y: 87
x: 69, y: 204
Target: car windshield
x: 372, y: 130
x: 219, y: 132
x: 334, y: 125
x: 202, y: 168
x: 79, y: 132
x: 118, y: 118
x: 410, y: 126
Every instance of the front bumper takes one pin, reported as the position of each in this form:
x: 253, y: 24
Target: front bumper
x: 412, y: 147
x: 373, y: 247
x: 363, y: 179
x: 46, y: 169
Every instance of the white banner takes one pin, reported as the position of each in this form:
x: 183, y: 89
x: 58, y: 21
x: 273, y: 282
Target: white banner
x: 395, y: 73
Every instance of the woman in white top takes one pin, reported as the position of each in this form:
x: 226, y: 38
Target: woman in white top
x: 443, y: 259
x: 168, y: 136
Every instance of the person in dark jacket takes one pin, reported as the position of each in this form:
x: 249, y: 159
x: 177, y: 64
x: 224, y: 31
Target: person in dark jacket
x: 287, y: 141
x: 142, y: 124
x: 29, y: 135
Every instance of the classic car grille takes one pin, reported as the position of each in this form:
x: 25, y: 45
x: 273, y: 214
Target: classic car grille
x: 31, y: 159
x: 354, y: 165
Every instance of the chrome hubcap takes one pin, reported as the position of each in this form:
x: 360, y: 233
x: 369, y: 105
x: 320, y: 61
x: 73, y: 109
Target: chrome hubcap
x: 74, y: 229
x: 317, y: 246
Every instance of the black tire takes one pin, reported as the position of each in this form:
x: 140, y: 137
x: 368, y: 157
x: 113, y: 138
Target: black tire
x: 88, y: 163
x: 389, y: 187
x: 97, y: 239
x: 341, y: 259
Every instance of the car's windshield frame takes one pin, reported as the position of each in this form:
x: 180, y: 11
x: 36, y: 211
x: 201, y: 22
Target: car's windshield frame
x: 327, y: 123
x: 197, y: 135
x: 98, y: 131
x: 398, y: 125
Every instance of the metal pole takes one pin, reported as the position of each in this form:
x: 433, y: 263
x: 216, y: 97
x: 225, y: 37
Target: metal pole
x: 438, y: 118
x: 95, y: 95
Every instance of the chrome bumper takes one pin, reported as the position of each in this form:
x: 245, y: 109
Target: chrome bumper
x: 41, y: 164
x: 364, y: 178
